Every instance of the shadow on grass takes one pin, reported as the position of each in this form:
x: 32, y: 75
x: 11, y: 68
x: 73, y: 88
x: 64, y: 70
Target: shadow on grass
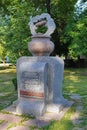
x: 6, y: 67
x: 64, y: 124
x: 75, y: 82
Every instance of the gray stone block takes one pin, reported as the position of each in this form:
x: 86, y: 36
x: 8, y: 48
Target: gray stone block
x: 36, y: 108
x: 53, y: 75
x: 32, y: 85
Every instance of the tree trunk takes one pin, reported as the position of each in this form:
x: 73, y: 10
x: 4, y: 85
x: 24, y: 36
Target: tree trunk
x: 48, y: 6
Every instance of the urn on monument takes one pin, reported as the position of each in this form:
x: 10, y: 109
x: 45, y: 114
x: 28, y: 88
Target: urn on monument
x: 41, y: 45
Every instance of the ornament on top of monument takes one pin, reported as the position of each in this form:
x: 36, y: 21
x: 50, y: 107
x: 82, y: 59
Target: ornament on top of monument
x: 41, y: 26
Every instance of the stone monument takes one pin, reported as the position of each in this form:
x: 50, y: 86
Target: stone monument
x: 40, y: 76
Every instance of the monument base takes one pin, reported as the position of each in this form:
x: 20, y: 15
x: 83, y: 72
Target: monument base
x: 40, y: 85
x: 48, y: 116
x: 36, y: 108
x: 56, y: 107
x: 32, y: 85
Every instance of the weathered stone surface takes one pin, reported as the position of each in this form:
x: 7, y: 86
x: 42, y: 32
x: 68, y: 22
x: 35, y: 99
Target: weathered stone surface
x: 55, y: 115
x: 54, y: 74
x: 4, y: 125
x: 77, y: 128
x: 49, y: 23
x: 75, y: 97
x: 31, y: 107
x: 45, y: 119
x: 38, y: 122
x: 31, y: 79
x: 41, y: 123
x: 54, y: 108
x: 43, y: 84
x: 41, y: 46
x: 30, y: 122
x: 19, y: 128
x: 32, y: 85
x: 10, y: 117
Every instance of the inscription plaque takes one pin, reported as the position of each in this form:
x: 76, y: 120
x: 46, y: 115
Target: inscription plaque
x: 31, y: 85
x: 32, y: 78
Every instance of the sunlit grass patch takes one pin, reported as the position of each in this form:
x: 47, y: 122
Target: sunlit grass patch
x: 2, y: 121
x: 7, y: 89
x: 9, y: 69
x: 75, y: 81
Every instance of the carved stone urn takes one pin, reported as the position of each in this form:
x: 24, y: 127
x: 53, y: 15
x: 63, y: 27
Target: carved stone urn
x: 41, y: 45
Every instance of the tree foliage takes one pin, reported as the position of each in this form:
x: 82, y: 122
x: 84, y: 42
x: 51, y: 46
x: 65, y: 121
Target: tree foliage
x: 15, y: 33
x: 77, y: 35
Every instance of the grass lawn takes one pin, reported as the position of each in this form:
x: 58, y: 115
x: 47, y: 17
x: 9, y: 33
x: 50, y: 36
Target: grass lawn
x: 7, y: 89
x: 75, y: 82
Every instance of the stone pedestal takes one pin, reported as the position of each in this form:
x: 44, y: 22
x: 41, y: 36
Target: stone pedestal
x: 40, y: 85
x: 32, y: 85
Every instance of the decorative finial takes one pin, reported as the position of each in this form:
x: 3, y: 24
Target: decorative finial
x: 39, y: 20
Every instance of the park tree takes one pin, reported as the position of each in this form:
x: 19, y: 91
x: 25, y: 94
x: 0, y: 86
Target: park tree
x: 76, y: 31
x: 15, y: 32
